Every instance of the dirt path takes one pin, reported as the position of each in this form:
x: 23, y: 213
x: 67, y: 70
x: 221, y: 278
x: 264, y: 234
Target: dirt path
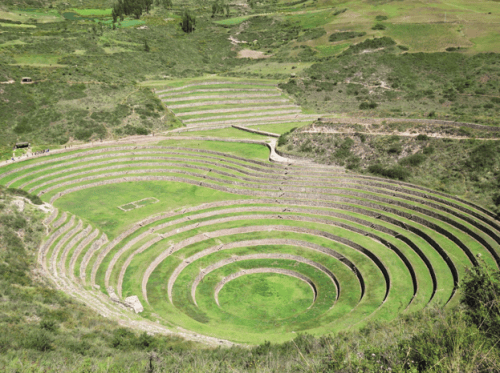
x: 403, y: 134
x: 366, y: 121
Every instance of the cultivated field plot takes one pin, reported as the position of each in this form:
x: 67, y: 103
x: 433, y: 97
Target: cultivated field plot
x: 138, y: 204
x: 242, y: 249
x: 217, y: 103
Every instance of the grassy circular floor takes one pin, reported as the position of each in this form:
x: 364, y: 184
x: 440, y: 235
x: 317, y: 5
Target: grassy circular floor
x: 265, y: 296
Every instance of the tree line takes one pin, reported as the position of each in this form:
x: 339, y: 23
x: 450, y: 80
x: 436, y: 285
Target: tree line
x: 135, y: 8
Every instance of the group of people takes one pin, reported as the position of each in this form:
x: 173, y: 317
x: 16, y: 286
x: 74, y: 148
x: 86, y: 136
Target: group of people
x: 41, y: 152
x: 35, y: 153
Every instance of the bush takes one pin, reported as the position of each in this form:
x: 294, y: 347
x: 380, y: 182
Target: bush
x: 306, y: 147
x: 422, y: 137
x: 19, y: 192
x: 312, y: 34
x: 353, y: 162
x: 379, y: 26
x: 428, y: 150
x: 188, y: 22
x: 23, y: 126
x: 39, y: 339
x: 481, y: 157
x: 283, y: 139
x: 465, y: 131
x: 374, y: 43
x: 15, y: 222
x: 413, y: 160
x: 481, y: 296
x: 395, y: 149
x: 361, y: 136
x: 403, y: 47
x: 338, y: 36
x: 396, y: 172
x: 380, y: 18
x: 367, y: 105
x: 344, y: 150
x: 49, y: 325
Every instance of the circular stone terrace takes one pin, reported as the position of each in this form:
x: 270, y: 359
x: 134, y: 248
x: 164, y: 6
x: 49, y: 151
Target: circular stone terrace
x: 210, y: 240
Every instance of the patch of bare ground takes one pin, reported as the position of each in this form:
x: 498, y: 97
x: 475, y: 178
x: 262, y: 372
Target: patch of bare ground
x: 248, y: 53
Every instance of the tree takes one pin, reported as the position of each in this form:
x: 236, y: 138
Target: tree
x: 146, y: 46
x: 137, y: 11
x: 115, y: 15
x: 218, y: 7
x: 167, y: 4
x: 188, y: 22
x: 124, y: 8
x: 147, y: 4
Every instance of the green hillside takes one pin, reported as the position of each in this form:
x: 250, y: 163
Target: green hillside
x: 258, y: 186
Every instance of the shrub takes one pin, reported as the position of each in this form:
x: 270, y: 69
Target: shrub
x: 379, y: 26
x: 481, y: 157
x: 283, y: 139
x: 367, y: 105
x: 413, y: 160
x: 361, y: 136
x: 339, y: 11
x: 19, y: 192
x: 353, y: 162
x: 38, y: 339
x: 403, y: 47
x: 428, y: 150
x: 374, y: 43
x: 188, y: 22
x: 464, y: 131
x: 15, y: 222
x: 380, y: 18
x: 338, y: 36
x: 49, y: 325
x: 344, y: 150
x: 312, y: 34
x: 422, y: 137
x: 23, y: 126
x: 396, y: 172
x: 395, y: 149
x: 122, y: 339
x: 481, y: 296
x: 306, y: 146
